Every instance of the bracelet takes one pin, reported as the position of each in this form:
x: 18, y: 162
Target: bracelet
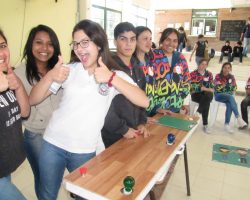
x: 111, y: 79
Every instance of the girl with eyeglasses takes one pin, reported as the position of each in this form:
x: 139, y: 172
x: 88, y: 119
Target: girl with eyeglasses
x: 40, y: 54
x: 73, y: 133
x: 14, y: 105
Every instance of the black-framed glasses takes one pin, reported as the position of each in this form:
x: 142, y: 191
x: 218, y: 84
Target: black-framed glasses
x: 82, y: 43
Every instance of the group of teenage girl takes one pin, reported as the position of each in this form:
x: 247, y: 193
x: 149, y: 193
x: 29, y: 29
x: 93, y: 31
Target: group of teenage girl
x: 103, y: 97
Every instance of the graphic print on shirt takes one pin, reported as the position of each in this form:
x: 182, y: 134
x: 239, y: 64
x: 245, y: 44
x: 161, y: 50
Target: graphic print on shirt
x: 198, y: 80
x: 14, y: 112
x: 225, y: 84
x: 166, y: 87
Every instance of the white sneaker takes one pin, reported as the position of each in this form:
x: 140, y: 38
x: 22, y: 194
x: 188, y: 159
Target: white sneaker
x: 206, y: 129
x: 228, y: 129
x: 241, y: 123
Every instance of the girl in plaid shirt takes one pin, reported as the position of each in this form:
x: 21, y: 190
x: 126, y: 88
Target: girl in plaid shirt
x: 225, y: 86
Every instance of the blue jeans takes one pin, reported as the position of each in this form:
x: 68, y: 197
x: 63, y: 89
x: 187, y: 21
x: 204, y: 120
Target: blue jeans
x: 180, y: 47
x: 246, y: 43
x: 8, y: 191
x: 33, y: 145
x: 231, y: 105
x: 52, y: 163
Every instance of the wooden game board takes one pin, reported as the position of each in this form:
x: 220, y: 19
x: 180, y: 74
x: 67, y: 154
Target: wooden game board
x: 145, y: 159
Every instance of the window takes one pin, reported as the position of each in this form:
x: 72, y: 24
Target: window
x: 139, y: 18
x: 103, y: 13
x: 204, y: 22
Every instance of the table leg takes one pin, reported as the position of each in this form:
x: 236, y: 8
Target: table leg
x: 186, y: 171
x: 152, y: 195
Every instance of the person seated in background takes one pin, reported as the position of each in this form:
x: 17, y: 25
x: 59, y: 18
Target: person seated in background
x: 226, y: 50
x: 225, y: 87
x: 246, y: 102
x: 124, y: 119
x: 202, y: 90
x: 237, y: 51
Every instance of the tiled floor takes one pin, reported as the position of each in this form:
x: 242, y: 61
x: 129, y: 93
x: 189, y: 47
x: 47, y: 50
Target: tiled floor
x: 209, y: 180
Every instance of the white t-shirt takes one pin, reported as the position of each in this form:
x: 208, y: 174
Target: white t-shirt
x: 76, y: 125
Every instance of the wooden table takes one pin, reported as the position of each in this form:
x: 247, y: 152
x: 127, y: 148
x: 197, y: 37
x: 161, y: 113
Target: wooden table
x: 145, y: 159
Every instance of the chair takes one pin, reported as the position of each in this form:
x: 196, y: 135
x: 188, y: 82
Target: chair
x: 214, y: 111
x: 193, y: 106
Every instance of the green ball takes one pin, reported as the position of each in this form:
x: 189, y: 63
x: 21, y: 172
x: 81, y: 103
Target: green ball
x: 129, y: 183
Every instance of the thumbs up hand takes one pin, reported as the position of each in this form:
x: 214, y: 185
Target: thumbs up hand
x: 59, y: 73
x: 3, y: 82
x: 13, y: 81
x: 102, y: 73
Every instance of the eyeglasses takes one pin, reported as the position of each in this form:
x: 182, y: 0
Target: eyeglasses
x: 82, y: 43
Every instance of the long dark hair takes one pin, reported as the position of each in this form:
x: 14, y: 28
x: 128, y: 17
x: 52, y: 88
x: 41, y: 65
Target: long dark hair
x: 97, y: 35
x: 3, y: 36
x: 31, y: 66
x: 139, y: 31
x: 166, y: 33
x: 224, y: 64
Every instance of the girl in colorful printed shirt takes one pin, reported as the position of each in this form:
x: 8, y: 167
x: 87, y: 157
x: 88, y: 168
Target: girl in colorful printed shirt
x: 202, y: 90
x: 168, y: 83
x: 246, y: 102
x: 142, y: 54
x: 225, y: 86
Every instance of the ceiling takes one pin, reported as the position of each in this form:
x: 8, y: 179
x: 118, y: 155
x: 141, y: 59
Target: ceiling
x: 199, y: 4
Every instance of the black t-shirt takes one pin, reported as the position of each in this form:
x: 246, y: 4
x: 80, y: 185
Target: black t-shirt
x: 12, y: 152
x: 226, y: 48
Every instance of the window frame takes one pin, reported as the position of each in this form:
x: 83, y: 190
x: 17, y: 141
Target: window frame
x: 106, y: 10
x: 205, y: 17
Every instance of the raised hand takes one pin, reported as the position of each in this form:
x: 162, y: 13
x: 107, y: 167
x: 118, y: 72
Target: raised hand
x: 3, y: 82
x: 59, y: 73
x: 13, y: 81
x: 102, y: 73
